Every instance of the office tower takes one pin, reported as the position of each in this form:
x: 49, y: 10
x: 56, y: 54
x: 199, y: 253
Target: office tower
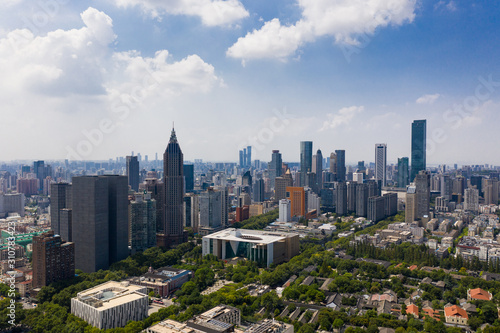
x: 246, y: 179
x: 459, y: 185
x: 319, y: 171
x: 258, y: 190
x: 41, y: 172
x: 446, y: 187
x: 311, y: 181
x: 281, y: 184
x: 361, y: 166
x: 376, y: 209
x: 53, y: 259
x: 211, y: 202
x: 391, y: 204
x: 173, y: 179
x: 422, y: 184
x: 66, y: 224
x: 418, y: 147
x: 351, y: 197
x: 305, y: 160
x: 381, y: 162
x: 285, y: 210
x: 491, y: 191
x: 341, y: 172
x: 242, y: 159
x: 333, y: 166
x: 471, y: 199
x: 189, y: 177
x: 60, y: 198
x: 142, y: 222
x: 133, y: 172
x: 25, y: 169
x: 403, y: 172
x: 100, y: 221
x: 411, y: 209
x: 275, y: 167
x: 297, y: 197
x: 477, y: 181
x: 157, y: 189
x: 192, y: 211
x: 341, y: 198
x: 361, y: 199
x: 248, y: 157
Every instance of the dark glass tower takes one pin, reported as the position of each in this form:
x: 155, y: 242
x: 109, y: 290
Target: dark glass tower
x: 403, y: 172
x: 275, y: 167
x: 189, y: 177
x: 319, y: 170
x: 173, y: 179
x: 418, y: 147
x: 60, y: 198
x: 306, y: 148
x: 340, y: 165
x: 133, y: 172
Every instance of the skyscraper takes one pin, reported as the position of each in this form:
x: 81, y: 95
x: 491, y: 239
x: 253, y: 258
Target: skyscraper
x: 319, y: 171
x: 403, y: 172
x: 142, y: 222
x: 281, y: 184
x: 173, y: 179
x: 258, y: 190
x: 133, y: 172
x: 341, y: 198
x: 418, y: 147
x: 100, y: 221
x: 423, y: 190
x: 361, y: 200
x: 351, y: 197
x: 333, y: 165
x: 297, y: 197
x: 249, y: 157
x: 60, y: 198
x: 275, y: 167
x: 189, y: 177
x: 305, y: 160
x: 341, y: 171
x: 242, y: 159
x: 212, y: 204
x: 381, y: 162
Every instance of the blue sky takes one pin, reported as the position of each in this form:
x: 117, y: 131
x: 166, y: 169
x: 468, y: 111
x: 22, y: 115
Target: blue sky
x: 344, y: 74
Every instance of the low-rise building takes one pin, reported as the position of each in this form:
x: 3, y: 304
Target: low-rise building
x: 478, y: 294
x: 270, y: 326
x: 111, y: 304
x: 221, y: 319
x: 163, y: 281
x: 455, y: 315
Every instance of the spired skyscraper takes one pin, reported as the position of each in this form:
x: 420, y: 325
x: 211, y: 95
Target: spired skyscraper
x: 418, y: 147
x: 173, y: 180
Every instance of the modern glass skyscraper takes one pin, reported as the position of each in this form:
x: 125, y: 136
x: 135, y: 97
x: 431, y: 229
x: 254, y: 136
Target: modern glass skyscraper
x: 173, y: 179
x: 340, y: 165
x: 275, y: 167
x: 189, y: 177
x: 381, y: 162
x: 403, y: 172
x: 319, y: 170
x: 133, y: 172
x: 418, y: 147
x: 306, y: 148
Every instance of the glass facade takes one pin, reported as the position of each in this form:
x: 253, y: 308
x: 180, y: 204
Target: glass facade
x: 418, y: 147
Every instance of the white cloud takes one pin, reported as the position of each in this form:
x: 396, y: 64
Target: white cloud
x: 343, y: 19
x: 9, y: 3
x: 450, y: 6
x: 211, y: 12
x: 342, y: 117
x: 427, y: 99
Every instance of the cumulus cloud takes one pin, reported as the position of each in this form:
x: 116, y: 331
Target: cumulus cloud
x: 344, y: 20
x: 427, y: 99
x: 81, y: 62
x: 450, y: 6
x: 342, y: 117
x: 211, y: 12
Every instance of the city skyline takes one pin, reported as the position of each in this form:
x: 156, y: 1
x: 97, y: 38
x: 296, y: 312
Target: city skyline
x: 338, y: 85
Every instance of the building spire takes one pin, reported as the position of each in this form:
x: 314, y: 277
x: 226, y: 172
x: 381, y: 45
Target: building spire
x: 173, y: 137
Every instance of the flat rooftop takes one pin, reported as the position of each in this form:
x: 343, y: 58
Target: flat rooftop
x: 250, y: 236
x: 110, y: 294
x: 171, y: 326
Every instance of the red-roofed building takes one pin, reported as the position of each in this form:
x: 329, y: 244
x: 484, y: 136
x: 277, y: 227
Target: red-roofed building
x: 413, y: 267
x: 432, y: 313
x: 478, y: 294
x: 456, y: 315
x: 413, y: 310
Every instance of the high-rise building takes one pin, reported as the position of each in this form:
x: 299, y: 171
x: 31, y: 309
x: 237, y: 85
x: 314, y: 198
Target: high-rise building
x: 333, y: 165
x: 275, y: 167
x: 381, y: 162
x: 142, y: 222
x: 341, y: 198
x: 41, y: 171
x: 446, y: 187
x: 491, y: 191
x: 418, y: 147
x: 248, y: 157
x: 361, y: 200
x: 258, y: 190
x: 173, y: 179
x: 192, y: 211
x: 391, y: 204
x: 157, y: 189
x: 376, y: 209
x: 471, y: 199
x: 411, y: 204
x: 361, y: 166
x: 351, y: 197
x: 297, y: 197
x: 341, y: 171
x: 211, y: 202
x: 242, y: 159
x: 285, y: 210
x: 318, y: 169
x: 403, y: 172
x: 281, y: 184
x: 422, y: 184
x: 189, y: 177
x: 27, y: 186
x: 305, y: 160
x: 477, y: 181
x: 60, y: 198
x: 133, y: 172
x: 100, y: 221
x: 53, y: 259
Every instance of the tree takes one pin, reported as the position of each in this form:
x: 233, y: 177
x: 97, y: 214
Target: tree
x: 475, y: 323
x: 338, y: 323
x: 372, y: 329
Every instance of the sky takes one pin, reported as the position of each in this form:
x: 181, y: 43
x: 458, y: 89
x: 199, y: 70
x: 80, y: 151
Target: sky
x: 88, y: 80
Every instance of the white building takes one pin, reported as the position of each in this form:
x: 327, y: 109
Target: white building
x: 111, y: 304
x: 357, y: 177
x: 471, y: 199
x: 285, y: 211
